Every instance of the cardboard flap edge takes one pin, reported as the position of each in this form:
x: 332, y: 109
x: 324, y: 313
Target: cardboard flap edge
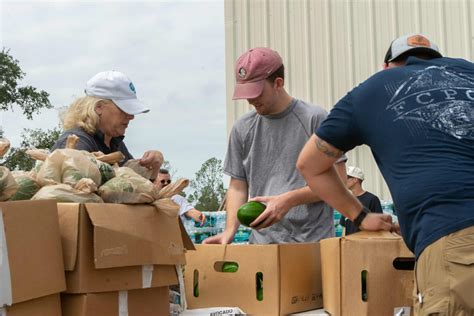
x: 68, y: 214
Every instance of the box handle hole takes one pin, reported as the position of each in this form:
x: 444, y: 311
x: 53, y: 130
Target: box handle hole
x: 226, y: 266
x: 403, y: 263
x: 363, y: 279
x: 196, y: 283
x: 259, y: 285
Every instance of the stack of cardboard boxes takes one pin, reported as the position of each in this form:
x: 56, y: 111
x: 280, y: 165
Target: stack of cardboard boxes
x: 119, y: 259
x: 361, y: 274
x: 107, y: 259
x: 113, y: 259
x: 31, y: 264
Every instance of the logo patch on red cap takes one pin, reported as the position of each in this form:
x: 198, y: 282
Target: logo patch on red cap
x: 242, y: 72
x: 418, y: 40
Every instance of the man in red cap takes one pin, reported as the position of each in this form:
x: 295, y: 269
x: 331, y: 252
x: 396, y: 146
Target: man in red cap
x: 261, y: 157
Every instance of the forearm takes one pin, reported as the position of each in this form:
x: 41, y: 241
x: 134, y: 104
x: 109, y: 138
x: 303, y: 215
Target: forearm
x: 236, y: 196
x: 316, y: 165
x: 305, y: 195
x: 330, y: 188
x: 300, y: 196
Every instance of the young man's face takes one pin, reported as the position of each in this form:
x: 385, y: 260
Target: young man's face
x: 162, y: 180
x: 265, y: 103
x: 350, y: 182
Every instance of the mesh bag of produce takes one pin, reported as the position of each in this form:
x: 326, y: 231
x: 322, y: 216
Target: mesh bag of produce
x: 8, y: 185
x: 27, y: 186
x: 128, y: 187
x: 68, y: 166
x: 64, y: 193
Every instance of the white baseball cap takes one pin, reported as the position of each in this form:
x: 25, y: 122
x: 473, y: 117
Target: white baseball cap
x: 355, y: 173
x: 411, y: 43
x: 115, y: 86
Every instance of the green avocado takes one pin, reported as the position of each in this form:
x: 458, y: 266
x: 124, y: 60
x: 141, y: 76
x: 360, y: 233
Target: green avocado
x: 249, y: 211
x: 230, y: 267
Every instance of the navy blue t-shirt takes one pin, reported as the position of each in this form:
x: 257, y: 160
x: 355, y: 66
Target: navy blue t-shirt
x: 418, y: 122
x: 94, y: 143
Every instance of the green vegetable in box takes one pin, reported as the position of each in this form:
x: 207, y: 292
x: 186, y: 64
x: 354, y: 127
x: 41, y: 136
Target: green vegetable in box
x: 230, y: 267
x: 259, y: 286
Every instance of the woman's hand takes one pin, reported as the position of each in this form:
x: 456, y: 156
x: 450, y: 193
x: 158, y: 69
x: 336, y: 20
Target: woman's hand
x: 152, y: 159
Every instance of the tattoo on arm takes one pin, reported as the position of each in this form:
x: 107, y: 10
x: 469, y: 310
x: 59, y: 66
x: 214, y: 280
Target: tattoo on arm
x: 325, y: 148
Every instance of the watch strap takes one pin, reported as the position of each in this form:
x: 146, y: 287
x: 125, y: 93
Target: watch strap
x: 358, y: 220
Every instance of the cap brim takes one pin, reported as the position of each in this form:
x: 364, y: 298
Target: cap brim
x: 131, y: 106
x: 248, y: 90
x: 426, y: 50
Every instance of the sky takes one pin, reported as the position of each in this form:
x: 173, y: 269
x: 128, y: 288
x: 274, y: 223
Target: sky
x: 173, y: 51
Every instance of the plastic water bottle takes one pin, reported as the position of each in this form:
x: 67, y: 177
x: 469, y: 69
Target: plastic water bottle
x: 339, y: 229
x: 387, y: 207
x: 220, y: 221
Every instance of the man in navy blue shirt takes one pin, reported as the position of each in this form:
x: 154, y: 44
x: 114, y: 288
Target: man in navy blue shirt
x: 417, y: 117
x: 355, y: 177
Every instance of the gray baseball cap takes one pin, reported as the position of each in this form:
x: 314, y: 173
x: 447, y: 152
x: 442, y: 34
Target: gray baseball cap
x: 411, y: 43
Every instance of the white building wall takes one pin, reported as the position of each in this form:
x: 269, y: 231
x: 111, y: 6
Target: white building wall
x: 330, y: 46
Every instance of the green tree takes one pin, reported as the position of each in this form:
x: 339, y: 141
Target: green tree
x: 29, y: 99
x: 208, y: 187
x: 17, y: 159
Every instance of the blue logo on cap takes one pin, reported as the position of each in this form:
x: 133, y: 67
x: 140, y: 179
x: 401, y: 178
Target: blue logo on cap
x: 132, y: 87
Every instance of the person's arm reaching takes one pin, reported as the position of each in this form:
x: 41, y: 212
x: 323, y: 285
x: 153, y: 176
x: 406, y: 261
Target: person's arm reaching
x: 279, y: 205
x: 316, y: 164
x: 237, y: 194
x: 196, y: 215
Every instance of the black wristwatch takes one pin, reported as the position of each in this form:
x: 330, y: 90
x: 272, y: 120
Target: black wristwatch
x: 358, y: 220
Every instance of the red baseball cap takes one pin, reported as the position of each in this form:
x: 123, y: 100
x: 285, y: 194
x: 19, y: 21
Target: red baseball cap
x: 251, y: 70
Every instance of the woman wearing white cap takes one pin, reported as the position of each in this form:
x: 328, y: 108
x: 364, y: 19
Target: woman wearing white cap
x: 101, y: 117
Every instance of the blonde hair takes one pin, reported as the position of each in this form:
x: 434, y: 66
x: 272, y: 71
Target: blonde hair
x: 81, y: 113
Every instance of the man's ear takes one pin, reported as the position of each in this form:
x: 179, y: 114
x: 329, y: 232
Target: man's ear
x: 279, y: 82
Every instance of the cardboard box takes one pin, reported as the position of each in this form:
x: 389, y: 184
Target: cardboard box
x: 291, y: 277
x: 44, y: 306
x: 31, y: 263
x: 111, y: 247
x: 152, y: 302
x: 344, y: 261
